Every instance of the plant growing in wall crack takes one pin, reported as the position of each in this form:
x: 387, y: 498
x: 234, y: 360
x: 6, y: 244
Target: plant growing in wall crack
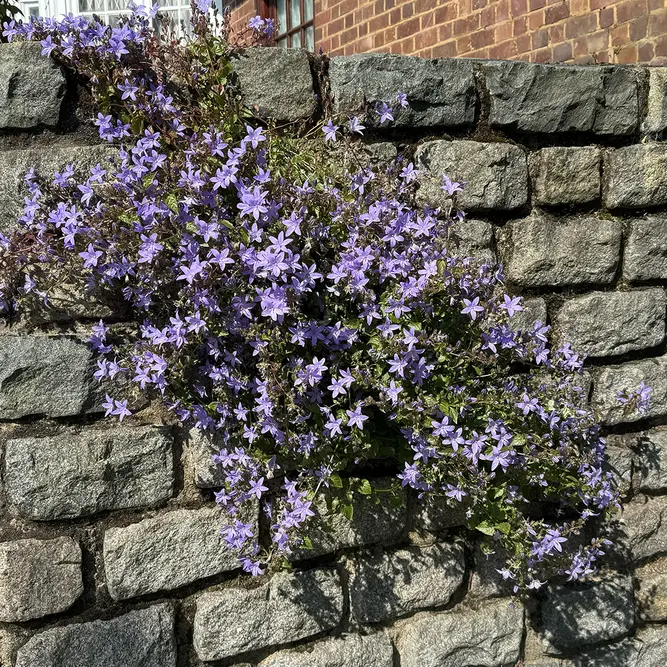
x: 318, y: 321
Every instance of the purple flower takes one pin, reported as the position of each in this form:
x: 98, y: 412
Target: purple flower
x: 356, y: 418
x: 329, y: 130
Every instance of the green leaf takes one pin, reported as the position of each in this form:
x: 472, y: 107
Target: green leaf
x: 307, y: 543
x: 347, y: 511
x: 172, y: 202
x: 336, y: 481
x: 365, y: 487
x: 486, y: 528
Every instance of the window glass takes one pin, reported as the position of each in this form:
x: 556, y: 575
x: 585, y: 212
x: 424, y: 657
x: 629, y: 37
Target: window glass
x: 307, y: 10
x: 296, y: 40
x: 294, y: 14
x: 310, y: 38
x: 281, y: 16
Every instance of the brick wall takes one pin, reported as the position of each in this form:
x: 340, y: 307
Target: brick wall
x: 581, y: 31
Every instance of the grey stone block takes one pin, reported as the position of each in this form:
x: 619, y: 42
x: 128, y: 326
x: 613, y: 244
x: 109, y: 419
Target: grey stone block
x: 534, y: 310
x: 436, y: 513
x: 565, y: 175
x: 474, y: 238
x: 78, y: 474
x: 277, y: 81
x: 650, y: 463
x: 346, y: 651
x: 200, y: 447
x: 38, y: 578
x: 609, y: 380
x: 166, y: 552
x: 46, y: 160
x: 496, y: 175
x: 603, y: 324
x: 32, y: 87
x: 487, y: 637
x: 646, y: 249
x: 485, y: 581
x: 547, y: 252
x: 651, y: 596
x: 574, y: 618
x: 656, y: 111
x: 385, y: 586
x: 287, y: 608
x: 635, y: 176
x: 619, y: 461
x: 375, y: 519
x: 142, y: 638
x: 46, y: 375
x: 531, y: 97
x: 441, y: 92
x: 648, y: 648
x: 642, y: 532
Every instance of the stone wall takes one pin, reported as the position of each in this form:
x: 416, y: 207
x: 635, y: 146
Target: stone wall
x: 109, y: 555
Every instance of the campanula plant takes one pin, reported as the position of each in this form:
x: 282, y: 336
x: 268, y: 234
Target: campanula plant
x: 319, y: 322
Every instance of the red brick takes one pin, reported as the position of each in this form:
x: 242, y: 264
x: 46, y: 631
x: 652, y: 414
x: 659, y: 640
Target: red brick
x: 598, y: 41
x: 627, y: 54
x: 645, y: 52
x: 478, y: 4
x: 599, y: 4
x: 556, y: 34
x: 447, y: 50
x: 657, y: 23
x: 606, y: 17
x: 580, y: 7
x: 481, y: 38
x: 479, y: 53
x: 504, y: 50
x: 363, y: 29
x: 379, y: 23
x: 519, y: 7
x: 536, y: 20
x: 502, y: 11
x: 556, y: 13
x: 539, y: 39
x: 502, y: 32
x: 519, y: 26
x: 620, y: 35
x: 523, y: 43
x: 487, y: 16
x: 349, y: 20
x: 631, y: 10
x: 537, y: 4
x: 562, y: 52
x: 638, y: 28
x: 467, y: 25
x: 463, y: 45
x: 655, y: 4
x: 576, y: 26
x: 541, y: 56
x: 661, y: 46
x: 426, y: 38
x: 445, y: 32
x: 407, y: 28
x: 395, y: 16
x: 446, y: 13
x: 407, y: 10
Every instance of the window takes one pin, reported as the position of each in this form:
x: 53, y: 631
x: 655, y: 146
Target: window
x: 294, y: 19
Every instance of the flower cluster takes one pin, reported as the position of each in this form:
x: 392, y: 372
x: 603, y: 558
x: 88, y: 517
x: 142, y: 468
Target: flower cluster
x: 318, y: 322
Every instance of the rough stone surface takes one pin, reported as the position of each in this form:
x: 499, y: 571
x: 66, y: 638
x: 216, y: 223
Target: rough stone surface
x: 610, y: 379
x: 46, y: 160
x: 38, y: 577
x: 601, y: 612
x: 534, y: 310
x: 32, y: 87
x: 485, y: 581
x: 287, y: 608
x: 200, y: 447
x: 547, y: 252
x: 650, y: 463
x: 389, y: 585
x: 619, y: 460
x: 46, y: 375
x: 656, y: 110
x: 490, y: 637
x: 440, y: 91
x: 565, y: 175
x: 603, y: 324
x: 77, y: 474
x: 474, y: 238
x: 382, y: 522
x: 166, y: 552
x: 646, y: 249
x: 347, y: 651
x: 648, y: 648
x: 437, y: 513
x: 496, y: 174
x: 143, y: 638
x: 531, y: 97
x: 277, y: 81
x: 635, y: 176
x: 652, y: 593
x: 642, y: 530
